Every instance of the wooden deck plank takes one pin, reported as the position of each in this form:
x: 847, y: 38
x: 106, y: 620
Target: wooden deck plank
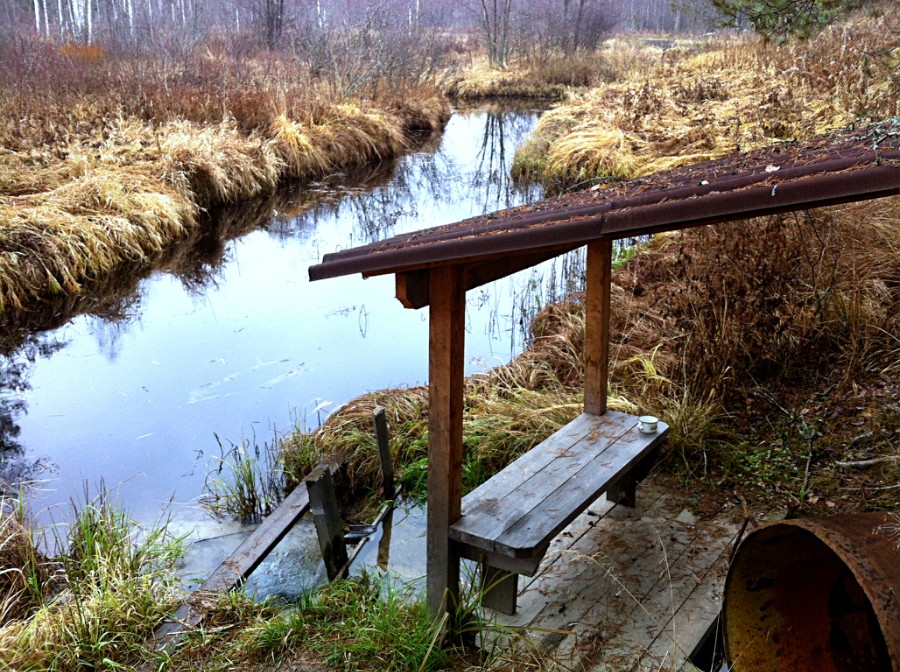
x: 536, y: 592
x: 650, y: 600
x: 676, y: 639
x: 567, y: 586
x: 634, y: 574
x: 501, y: 502
x: 632, y: 646
x: 558, y: 508
x: 577, y: 612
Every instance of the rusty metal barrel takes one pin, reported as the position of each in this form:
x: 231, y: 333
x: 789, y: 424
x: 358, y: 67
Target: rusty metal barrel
x: 815, y: 595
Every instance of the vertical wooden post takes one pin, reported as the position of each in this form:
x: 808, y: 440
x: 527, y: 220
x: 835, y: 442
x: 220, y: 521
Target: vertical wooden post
x: 384, y: 453
x: 501, y: 588
x: 327, y: 516
x: 596, y: 321
x: 447, y: 292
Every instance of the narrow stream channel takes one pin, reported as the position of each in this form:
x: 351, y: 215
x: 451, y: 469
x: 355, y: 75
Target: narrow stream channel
x: 138, y: 399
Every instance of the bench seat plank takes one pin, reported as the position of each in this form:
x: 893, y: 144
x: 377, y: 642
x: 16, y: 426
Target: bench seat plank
x: 554, y: 512
x: 518, y: 512
x: 497, y: 504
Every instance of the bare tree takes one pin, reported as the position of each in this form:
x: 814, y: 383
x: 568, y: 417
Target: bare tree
x: 494, y: 18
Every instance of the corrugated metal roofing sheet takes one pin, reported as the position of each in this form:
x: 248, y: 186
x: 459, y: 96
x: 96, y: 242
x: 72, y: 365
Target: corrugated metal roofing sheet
x: 851, y: 165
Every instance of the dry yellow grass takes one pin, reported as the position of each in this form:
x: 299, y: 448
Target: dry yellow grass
x: 480, y: 80
x: 551, y: 75
x: 22, y: 570
x: 730, y: 96
x: 90, y: 184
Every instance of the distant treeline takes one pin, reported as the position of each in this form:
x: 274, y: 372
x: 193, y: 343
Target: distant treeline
x: 519, y: 25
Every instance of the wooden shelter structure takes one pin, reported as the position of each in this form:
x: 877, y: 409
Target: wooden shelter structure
x: 507, y: 523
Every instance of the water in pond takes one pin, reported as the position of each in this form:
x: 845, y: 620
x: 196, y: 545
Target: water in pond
x: 244, y: 343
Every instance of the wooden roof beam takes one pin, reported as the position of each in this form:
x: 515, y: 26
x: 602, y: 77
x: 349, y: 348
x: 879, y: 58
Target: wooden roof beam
x: 412, y: 287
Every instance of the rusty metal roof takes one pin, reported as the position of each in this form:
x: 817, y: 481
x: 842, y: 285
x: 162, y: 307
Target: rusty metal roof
x: 851, y: 165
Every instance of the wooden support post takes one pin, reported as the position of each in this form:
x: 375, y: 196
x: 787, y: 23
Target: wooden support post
x: 447, y: 312
x: 596, y: 320
x: 327, y: 517
x: 384, y: 453
x: 624, y: 492
x: 499, y: 589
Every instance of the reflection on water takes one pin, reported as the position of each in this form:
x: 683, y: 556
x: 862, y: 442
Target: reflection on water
x: 229, y: 337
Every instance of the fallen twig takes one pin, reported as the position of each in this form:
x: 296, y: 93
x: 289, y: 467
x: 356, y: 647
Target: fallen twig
x: 870, y: 462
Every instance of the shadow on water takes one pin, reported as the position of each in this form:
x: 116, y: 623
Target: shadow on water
x: 224, y: 333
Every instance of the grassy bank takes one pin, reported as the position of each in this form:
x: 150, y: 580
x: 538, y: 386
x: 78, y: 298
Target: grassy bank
x: 552, y: 76
x: 107, y: 159
x: 90, y: 606
x: 95, y: 605
x: 701, y: 102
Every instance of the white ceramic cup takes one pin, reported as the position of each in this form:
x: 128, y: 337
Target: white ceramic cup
x: 647, y: 424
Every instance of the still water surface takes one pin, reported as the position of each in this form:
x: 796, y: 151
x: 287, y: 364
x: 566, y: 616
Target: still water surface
x: 138, y: 400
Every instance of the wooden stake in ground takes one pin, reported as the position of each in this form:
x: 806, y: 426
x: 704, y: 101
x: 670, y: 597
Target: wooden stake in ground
x: 327, y: 517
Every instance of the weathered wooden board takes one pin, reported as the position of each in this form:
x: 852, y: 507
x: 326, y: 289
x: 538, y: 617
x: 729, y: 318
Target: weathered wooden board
x: 485, y: 501
x: 558, y: 508
x: 685, y: 557
x: 327, y: 516
x: 612, y: 590
x: 567, y: 583
x: 701, y: 585
x: 629, y: 563
x: 544, y: 495
x: 523, y: 507
x: 235, y: 569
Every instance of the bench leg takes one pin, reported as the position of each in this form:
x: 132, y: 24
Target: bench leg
x: 624, y: 491
x: 500, y: 589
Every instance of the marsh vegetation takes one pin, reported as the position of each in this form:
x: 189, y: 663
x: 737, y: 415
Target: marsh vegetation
x: 770, y: 347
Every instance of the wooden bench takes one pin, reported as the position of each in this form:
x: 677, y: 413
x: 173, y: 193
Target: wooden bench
x: 508, y: 522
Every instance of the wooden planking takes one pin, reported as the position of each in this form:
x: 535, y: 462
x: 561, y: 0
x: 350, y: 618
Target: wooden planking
x: 578, y: 587
x: 498, y: 504
x: 445, y: 417
x: 699, y: 581
x: 502, y: 484
x: 621, y: 566
x: 642, y: 591
x: 570, y: 570
x: 570, y: 497
x: 235, y: 569
x: 651, y: 624
x: 571, y: 536
x: 596, y: 324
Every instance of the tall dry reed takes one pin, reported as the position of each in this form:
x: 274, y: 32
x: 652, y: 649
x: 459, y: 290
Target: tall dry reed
x: 702, y: 102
